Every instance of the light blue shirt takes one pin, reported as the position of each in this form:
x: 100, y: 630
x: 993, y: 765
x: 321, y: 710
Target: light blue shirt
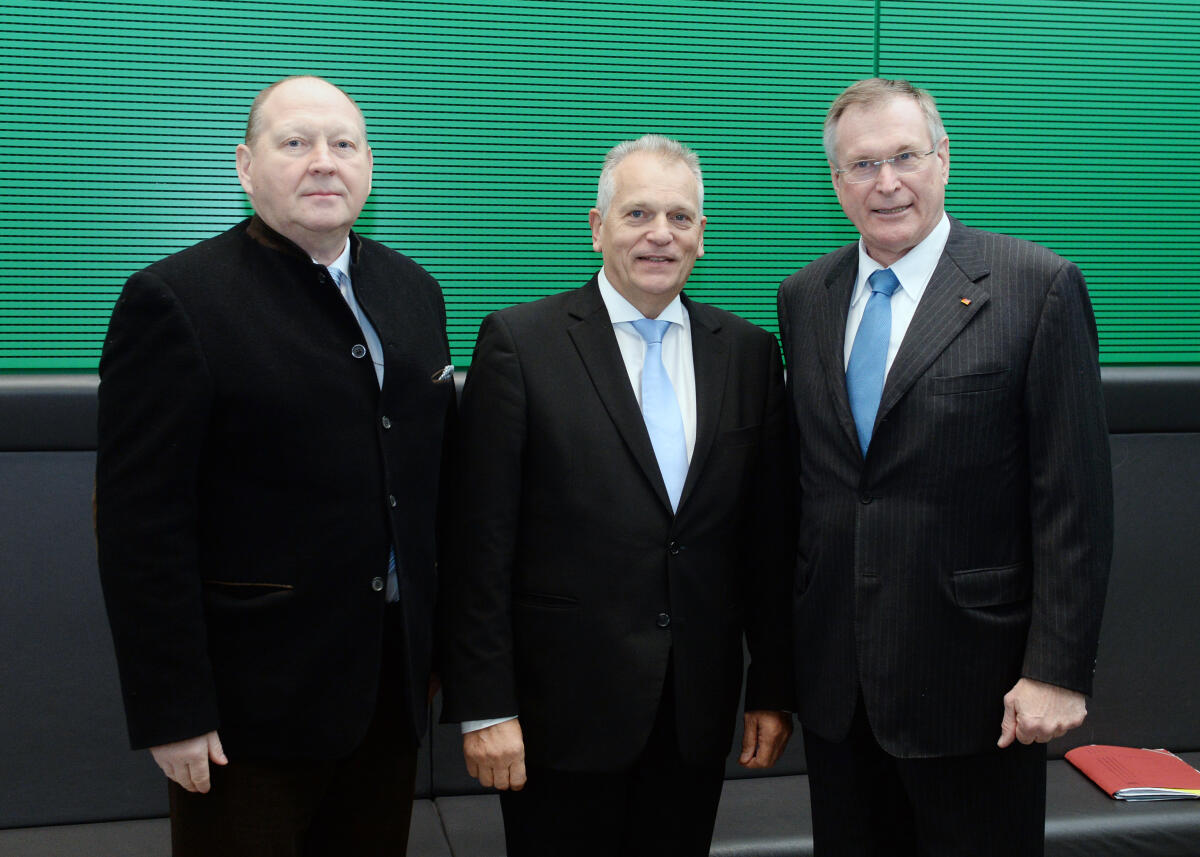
x: 340, y: 272
x: 374, y: 347
x: 914, y: 270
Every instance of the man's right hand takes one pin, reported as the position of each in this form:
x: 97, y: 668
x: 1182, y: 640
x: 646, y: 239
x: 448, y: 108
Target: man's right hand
x: 496, y: 755
x: 186, y: 762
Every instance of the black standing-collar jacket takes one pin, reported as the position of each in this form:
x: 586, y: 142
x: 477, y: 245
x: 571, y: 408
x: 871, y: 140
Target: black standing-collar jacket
x: 251, y: 478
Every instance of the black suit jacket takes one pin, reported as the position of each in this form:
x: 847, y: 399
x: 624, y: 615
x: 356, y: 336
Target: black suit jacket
x: 574, y: 581
x: 251, y: 477
x: 972, y: 545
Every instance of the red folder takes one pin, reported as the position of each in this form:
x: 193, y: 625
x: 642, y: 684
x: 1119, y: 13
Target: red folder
x: 1128, y: 773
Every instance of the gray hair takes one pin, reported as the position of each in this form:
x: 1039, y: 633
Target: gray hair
x: 655, y: 144
x: 874, y: 92
x: 254, y: 120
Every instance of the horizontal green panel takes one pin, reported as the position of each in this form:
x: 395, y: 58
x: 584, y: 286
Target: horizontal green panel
x: 489, y: 121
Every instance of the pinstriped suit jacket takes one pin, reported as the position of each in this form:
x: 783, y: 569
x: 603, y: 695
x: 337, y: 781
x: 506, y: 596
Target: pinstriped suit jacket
x: 971, y: 547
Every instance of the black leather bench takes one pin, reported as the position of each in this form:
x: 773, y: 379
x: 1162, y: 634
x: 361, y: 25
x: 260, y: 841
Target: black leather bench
x: 69, y: 786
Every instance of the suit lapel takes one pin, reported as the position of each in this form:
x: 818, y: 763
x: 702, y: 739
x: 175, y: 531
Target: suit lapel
x: 591, y: 330
x: 710, y: 359
x: 954, y: 295
x: 830, y: 331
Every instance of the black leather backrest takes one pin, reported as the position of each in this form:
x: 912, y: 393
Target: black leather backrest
x: 63, y: 750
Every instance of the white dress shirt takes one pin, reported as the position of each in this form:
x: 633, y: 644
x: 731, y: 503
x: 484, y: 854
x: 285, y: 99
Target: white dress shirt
x: 914, y: 270
x: 676, y: 357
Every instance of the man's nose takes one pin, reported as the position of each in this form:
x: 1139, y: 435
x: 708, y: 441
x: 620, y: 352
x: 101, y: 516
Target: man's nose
x: 888, y: 179
x: 322, y: 158
x: 660, y: 230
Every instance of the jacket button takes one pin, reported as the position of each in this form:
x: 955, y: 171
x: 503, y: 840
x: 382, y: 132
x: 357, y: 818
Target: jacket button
x: 392, y: 500
x: 673, y: 548
x: 377, y: 584
x: 359, y: 351
x: 664, y: 620
x: 386, y: 423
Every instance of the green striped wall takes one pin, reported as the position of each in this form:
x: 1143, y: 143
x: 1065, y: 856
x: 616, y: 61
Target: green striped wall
x: 1076, y: 126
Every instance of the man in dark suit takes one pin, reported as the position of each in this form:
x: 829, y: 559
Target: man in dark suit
x: 623, y: 524
x: 956, y: 503
x: 272, y: 406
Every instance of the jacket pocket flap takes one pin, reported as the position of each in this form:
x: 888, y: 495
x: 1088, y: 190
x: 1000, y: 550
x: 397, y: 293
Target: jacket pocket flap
x: 976, y: 382
x: 544, y: 599
x: 740, y: 436
x: 231, y: 595
x: 990, y: 587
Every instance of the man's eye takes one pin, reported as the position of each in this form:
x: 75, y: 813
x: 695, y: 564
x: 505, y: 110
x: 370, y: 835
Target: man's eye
x: 292, y: 144
x: 343, y: 144
x: 862, y: 165
x: 637, y: 213
x: 905, y: 156
x: 680, y: 218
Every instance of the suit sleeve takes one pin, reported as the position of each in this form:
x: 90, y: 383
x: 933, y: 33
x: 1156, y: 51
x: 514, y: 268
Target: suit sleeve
x: 1071, y: 503
x: 479, y: 680
x: 770, y: 679
x: 153, y: 408
x: 448, y: 481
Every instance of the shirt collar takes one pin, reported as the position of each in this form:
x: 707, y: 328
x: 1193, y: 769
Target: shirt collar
x: 913, y: 269
x: 342, y: 262
x: 621, y: 310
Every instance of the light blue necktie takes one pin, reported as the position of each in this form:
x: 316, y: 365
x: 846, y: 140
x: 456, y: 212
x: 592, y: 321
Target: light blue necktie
x: 660, y: 410
x: 374, y: 346
x: 868, y: 356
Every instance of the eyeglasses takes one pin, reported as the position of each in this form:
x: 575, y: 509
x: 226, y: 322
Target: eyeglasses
x: 865, y: 171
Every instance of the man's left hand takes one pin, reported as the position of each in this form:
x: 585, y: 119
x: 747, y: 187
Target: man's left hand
x: 1036, y: 711
x: 766, y: 734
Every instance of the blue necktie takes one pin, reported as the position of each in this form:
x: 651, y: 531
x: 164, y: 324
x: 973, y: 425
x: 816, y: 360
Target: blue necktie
x: 374, y: 346
x: 868, y: 357
x: 660, y: 410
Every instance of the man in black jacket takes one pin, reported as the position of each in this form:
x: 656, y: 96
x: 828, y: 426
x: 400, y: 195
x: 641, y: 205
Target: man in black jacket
x: 272, y: 407
x: 611, y: 558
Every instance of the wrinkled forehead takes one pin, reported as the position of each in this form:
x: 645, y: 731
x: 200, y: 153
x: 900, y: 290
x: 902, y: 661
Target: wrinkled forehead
x: 307, y: 104
x: 881, y: 129
x: 645, y: 176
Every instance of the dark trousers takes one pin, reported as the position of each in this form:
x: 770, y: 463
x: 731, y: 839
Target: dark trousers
x: 360, y: 805
x: 866, y: 803
x: 662, y: 806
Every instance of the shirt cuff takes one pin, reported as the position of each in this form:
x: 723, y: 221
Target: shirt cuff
x: 476, y: 725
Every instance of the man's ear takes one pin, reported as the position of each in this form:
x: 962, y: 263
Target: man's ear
x: 595, y: 221
x: 243, y: 169
x: 943, y: 154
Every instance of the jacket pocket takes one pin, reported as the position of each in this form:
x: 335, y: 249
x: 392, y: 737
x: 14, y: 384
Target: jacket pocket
x: 545, y: 599
x: 976, y: 382
x: 991, y: 587
x: 231, y: 596
x: 747, y: 436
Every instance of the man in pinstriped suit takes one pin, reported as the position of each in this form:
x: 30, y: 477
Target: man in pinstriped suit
x: 956, y: 529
